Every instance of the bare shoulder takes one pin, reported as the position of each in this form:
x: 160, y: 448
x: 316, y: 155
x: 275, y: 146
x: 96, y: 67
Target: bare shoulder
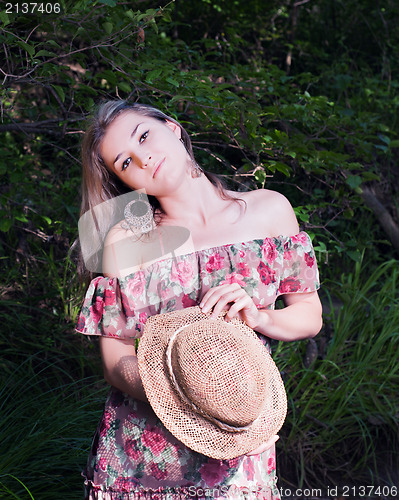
x: 272, y: 211
x: 115, y: 234
x: 126, y: 252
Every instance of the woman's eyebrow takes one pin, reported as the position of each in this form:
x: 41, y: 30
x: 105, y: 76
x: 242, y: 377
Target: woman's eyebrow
x: 131, y: 136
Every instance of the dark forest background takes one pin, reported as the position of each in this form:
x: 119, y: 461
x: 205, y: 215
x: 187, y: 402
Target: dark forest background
x: 296, y: 96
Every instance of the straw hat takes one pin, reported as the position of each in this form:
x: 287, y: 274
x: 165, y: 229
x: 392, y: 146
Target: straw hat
x: 212, y: 383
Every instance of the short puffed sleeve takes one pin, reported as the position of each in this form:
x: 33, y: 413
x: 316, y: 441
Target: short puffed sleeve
x: 110, y: 312
x: 287, y: 264
x: 299, y: 271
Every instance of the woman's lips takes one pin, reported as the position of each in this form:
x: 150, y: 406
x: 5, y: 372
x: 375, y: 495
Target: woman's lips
x: 158, y: 167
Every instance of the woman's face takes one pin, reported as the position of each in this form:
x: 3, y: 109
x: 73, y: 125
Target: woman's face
x: 145, y: 153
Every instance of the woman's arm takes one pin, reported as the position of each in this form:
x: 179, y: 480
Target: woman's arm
x: 300, y: 319
x: 119, y: 355
x: 120, y: 366
x: 302, y: 316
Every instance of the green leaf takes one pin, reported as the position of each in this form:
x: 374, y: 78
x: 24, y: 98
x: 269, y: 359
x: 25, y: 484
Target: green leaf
x: 21, y: 218
x: 173, y: 82
x: 29, y: 48
x: 108, y: 27
x: 321, y: 247
x: 60, y: 92
x: 177, y: 98
x: 45, y: 53
x: 385, y: 139
x: 354, y: 255
x: 47, y: 219
x: 5, y: 225
x: 53, y: 43
x: 354, y: 181
x: 124, y: 86
x: 283, y: 168
x: 260, y: 176
x: 153, y: 75
x: 4, y: 18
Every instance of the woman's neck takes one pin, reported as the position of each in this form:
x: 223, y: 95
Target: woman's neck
x: 195, y: 203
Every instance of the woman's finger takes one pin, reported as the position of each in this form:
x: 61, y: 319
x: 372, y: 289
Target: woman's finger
x: 244, y: 304
x: 224, y: 301
x: 214, y: 294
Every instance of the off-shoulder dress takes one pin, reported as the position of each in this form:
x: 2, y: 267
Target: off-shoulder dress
x: 133, y: 456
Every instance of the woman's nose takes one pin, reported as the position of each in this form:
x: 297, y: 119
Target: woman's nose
x: 147, y: 162
x: 144, y: 160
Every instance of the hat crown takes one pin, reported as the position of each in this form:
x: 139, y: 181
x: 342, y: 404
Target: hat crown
x: 221, y: 371
x: 163, y: 351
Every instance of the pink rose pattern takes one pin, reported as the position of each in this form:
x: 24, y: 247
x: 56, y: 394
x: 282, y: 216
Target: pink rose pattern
x: 132, y: 452
x: 182, y: 272
x: 233, y: 278
x: 215, y: 262
x: 269, y: 250
x: 213, y: 472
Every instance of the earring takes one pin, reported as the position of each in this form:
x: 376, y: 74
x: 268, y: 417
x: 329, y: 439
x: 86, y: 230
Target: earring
x: 138, y: 216
x: 196, y: 170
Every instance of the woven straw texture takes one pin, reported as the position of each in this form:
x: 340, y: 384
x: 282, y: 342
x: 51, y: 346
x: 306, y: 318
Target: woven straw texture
x: 223, y: 369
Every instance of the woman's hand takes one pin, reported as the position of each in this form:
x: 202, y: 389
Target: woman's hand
x: 265, y: 446
x: 233, y: 298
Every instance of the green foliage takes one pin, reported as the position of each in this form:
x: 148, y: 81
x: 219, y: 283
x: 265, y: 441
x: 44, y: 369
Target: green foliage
x: 277, y: 94
x: 346, y: 398
x: 250, y: 120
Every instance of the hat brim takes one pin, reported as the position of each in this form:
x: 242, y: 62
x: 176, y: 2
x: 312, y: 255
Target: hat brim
x: 190, y: 427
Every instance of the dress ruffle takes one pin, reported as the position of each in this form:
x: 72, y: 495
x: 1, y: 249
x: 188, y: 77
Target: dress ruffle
x: 94, y: 492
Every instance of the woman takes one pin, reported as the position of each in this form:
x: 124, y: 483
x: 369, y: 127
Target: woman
x: 245, y: 249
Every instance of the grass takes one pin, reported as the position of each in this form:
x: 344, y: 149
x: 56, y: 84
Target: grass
x: 46, y: 424
x: 344, y: 407
x: 51, y: 389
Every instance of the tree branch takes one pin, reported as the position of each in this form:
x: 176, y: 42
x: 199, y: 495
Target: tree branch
x: 49, y: 126
x: 383, y: 216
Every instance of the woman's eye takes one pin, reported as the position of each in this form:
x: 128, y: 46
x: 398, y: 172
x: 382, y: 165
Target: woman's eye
x: 126, y: 163
x: 143, y: 137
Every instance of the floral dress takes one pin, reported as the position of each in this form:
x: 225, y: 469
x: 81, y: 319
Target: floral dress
x: 133, y: 456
